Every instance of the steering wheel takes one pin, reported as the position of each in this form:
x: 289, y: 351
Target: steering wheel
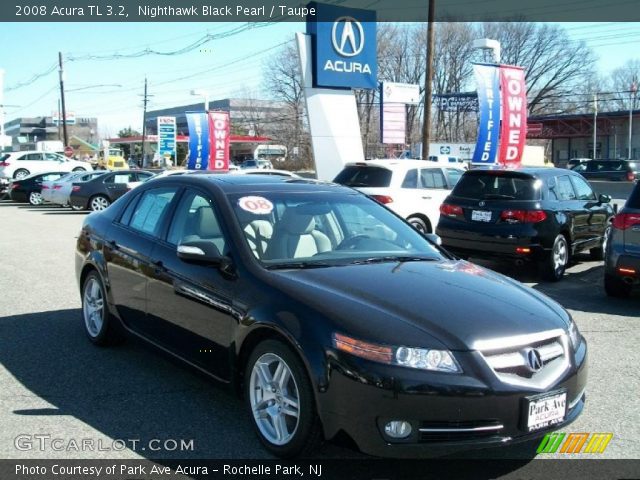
x: 351, y: 242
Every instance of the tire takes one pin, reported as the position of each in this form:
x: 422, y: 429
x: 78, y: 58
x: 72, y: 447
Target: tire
x: 35, y: 198
x: 598, y: 253
x: 615, y: 287
x: 554, y: 265
x: 99, y: 203
x: 419, y: 224
x: 20, y: 173
x: 300, y: 432
x: 76, y: 208
x: 79, y: 169
x: 99, y: 326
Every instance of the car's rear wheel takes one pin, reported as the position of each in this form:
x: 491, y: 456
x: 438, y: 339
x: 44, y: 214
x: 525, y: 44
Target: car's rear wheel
x: 99, y: 203
x: 615, y: 286
x: 554, y: 265
x: 79, y: 169
x: 77, y: 208
x: 20, y: 173
x: 598, y: 253
x: 35, y: 198
x: 280, y: 399
x: 419, y: 224
x: 98, y: 324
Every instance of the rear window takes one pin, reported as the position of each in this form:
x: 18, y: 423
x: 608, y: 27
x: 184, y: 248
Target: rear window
x: 492, y: 186
x: 364, y: 176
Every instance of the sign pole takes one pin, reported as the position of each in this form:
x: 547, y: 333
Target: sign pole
x: 428, y: 81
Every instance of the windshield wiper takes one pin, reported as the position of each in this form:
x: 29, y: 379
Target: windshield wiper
x: 498, y: 196
x: 300, y: 265
x: 393, y: 258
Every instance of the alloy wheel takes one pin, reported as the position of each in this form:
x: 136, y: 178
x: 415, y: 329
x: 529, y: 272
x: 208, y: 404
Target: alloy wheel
x: 560, y: 254
x: 99, y: 203
x: 274, y: 399
x: 93, y: 307
x: 35, y: 198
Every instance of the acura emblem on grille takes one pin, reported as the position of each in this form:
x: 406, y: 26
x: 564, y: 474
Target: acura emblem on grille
x: 481, y: 203
x: 534, y: 360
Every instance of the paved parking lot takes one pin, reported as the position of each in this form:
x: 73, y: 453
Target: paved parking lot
x: 53, y: 382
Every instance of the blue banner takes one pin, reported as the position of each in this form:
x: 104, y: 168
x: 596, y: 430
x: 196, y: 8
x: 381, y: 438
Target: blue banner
x: 198, y: 141
x: 344, y: 47
x: 489, y: 124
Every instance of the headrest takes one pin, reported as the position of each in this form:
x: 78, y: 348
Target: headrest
x: 296, y: 222
x: 207, y: 223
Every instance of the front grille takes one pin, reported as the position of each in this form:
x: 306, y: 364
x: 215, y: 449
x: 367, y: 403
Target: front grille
x: 437, y: 431
x: 118, y: 164
x: 510, y: 361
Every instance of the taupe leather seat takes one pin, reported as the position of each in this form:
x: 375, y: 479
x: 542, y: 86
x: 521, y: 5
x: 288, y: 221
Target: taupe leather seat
x: 295, y: 237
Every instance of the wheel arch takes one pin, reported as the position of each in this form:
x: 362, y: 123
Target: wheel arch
x: 424, y: 218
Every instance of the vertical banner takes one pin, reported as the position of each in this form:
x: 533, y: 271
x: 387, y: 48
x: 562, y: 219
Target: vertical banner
x: 166, y: 136
x: 393, y: 119
x: 513, y: 133
x: 219, y: 138
x: 489, y: 104
x: 198, y: 141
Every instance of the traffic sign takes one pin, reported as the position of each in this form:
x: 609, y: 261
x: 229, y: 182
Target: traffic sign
x: 68, y: 151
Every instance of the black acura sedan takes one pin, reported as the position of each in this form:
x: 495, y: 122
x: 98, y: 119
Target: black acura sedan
x: 100, y: 192
x: 542, y: 215
x: 329, y: 314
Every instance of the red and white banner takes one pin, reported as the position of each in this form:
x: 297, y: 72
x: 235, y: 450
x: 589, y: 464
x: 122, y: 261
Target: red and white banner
x: 219, y: 140
x: 513, y: 133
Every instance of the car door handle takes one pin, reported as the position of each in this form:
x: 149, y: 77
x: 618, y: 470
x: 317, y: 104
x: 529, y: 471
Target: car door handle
x: 426, y: 198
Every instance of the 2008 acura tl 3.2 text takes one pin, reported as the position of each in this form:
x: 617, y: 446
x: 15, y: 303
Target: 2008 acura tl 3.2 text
x: 330, y: 314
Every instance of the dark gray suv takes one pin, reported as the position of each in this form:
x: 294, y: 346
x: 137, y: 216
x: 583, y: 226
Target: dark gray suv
x: 622, y: 261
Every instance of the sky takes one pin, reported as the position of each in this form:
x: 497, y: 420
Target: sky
x: 229, y: 65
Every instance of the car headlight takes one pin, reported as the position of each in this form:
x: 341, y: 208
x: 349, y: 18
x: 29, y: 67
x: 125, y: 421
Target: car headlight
x: 574, y: 335
x: 420, y: 358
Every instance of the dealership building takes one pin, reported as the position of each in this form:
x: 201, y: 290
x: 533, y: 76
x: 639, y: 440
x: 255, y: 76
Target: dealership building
x: 25, y: 132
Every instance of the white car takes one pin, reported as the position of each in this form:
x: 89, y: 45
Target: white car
x: 58, y: 191
x: 414, y: 189
x: 18, y: 165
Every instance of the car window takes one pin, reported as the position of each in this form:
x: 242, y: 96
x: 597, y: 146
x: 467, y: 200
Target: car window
x: 634, y: 198
x: 196, y: 219
x: 411, y: 179
x: 564, y: 188
x: 364, y: 176
x: 580, y: 167
x: 54, y: 157
x: 142, y: 176
x: 121, y: 178
x: 51, y: 177
x: 583, y: 189
x: 454, y: 176
x: 128, y: 212
x: 32, y: 157
x: 499, y: 185
x: 432, y: 178
x: 150, y: 209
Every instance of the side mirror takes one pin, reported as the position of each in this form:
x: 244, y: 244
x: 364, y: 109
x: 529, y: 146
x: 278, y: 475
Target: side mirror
x: 200, y: 251
x: 602, y: 198
x: 433, y: 238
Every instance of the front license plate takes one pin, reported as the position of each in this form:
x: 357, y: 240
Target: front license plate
x: 546, y: 411
x: 480, y: 215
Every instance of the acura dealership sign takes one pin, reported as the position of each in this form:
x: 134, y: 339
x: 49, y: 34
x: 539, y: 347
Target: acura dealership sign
x: 344, y: 47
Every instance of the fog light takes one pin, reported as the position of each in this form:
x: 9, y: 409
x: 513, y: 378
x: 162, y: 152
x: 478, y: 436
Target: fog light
x: 397, y: 429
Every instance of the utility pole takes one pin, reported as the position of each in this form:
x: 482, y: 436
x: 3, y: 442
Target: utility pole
x: 145, y: 100
x: 428, y: 80
x: 595, y: 119
x: 64, y: 110
x: 59, y: 124
x: 632, y: 94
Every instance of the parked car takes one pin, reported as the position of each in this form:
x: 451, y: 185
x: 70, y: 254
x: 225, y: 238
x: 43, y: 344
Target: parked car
x: 19, y: 165
x: 534, y: 214
x: 58, y: 191
x: 28, y: 189
x: 250, y: 163
x: 414, y: 189
x: 622, y: 261
x: 100, y: 192
x: 616, y: 170
x: 345, y: 320
x: 576, y: 161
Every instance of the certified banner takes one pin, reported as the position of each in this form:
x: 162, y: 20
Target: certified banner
x: 198, y: 141
x: 489, y: 104
x: 514, y: 116
x: 219, y: 138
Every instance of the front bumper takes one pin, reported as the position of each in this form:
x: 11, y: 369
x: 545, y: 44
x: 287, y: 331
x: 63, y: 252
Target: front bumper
x: 447, y: 412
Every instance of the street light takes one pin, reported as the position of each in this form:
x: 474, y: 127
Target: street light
x: 203, y: 94
x: 488, y: 44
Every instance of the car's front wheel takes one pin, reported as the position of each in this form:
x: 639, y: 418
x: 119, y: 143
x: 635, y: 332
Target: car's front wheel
x: 98, y: 324
x: 280, y: 399
x: 615, y: 287
x: 35, y: 198
x: 99, y: 203
x: 553, y: 266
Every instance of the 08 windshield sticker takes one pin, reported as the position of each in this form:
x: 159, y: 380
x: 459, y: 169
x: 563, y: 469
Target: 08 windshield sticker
x: 256, y: 205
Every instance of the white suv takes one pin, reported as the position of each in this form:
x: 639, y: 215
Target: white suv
x: 414, y: 189
x: 19, y: 165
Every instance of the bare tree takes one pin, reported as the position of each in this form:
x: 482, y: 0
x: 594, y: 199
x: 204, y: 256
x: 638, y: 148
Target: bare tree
x: 622, y: 79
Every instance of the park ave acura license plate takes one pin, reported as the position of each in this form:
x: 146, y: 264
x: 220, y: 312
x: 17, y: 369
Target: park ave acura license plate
x: 547, y: 410
x: 480, y: 216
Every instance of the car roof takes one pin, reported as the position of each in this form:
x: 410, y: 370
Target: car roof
x: 403, y: 164
x: 537, y: 172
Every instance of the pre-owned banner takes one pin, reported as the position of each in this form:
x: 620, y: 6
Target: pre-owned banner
x: 489, y: 104
x: 219, y: 138
x: 513, y: 133
x: 198, y: 141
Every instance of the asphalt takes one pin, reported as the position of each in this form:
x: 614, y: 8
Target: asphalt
x: 55, y: 383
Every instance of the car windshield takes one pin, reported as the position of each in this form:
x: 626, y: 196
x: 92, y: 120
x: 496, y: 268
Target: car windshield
x: 499, y: 185
x: 309, y: 230
x: 364, y: 176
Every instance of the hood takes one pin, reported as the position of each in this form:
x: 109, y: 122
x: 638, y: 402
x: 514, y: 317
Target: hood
x: 429, y: 304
